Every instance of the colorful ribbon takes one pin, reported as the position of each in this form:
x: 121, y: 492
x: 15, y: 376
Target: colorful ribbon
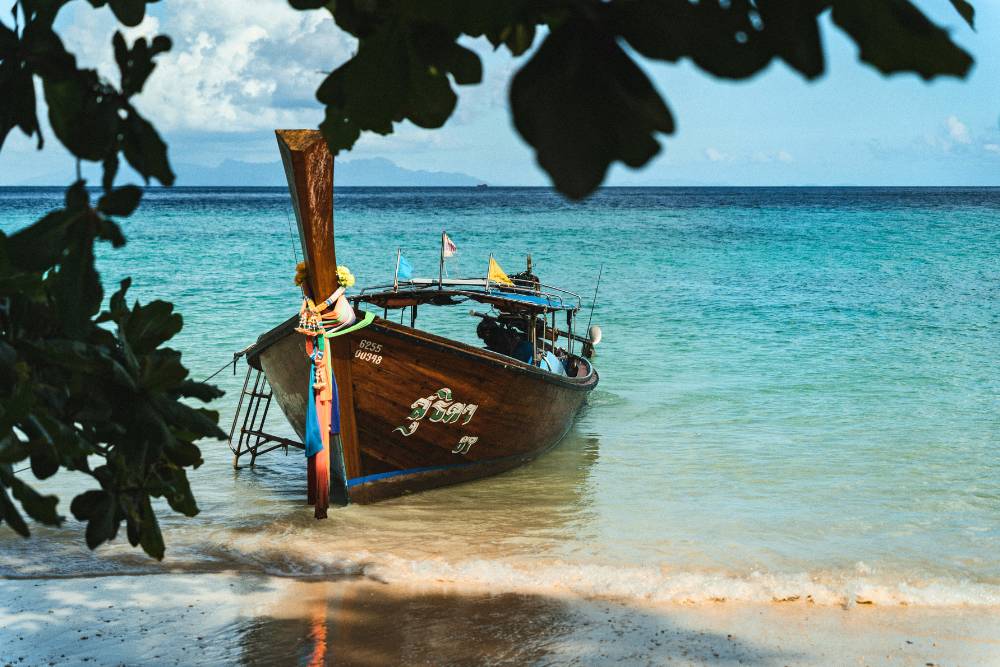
x: 333, y: 317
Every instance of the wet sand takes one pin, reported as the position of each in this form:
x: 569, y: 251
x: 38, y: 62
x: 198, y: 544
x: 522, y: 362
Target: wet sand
x: 226, y: 618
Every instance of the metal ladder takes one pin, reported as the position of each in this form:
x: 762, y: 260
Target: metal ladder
x: 253, y: 439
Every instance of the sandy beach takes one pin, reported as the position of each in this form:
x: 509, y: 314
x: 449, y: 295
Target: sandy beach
x: 176, y: 619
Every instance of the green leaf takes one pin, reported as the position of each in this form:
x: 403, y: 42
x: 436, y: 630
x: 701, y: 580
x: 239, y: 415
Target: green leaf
x: 40, y: 508
x: 371, y: 88
x: 150, y: 536
x: 108, y: 230
x: 19, y: 109
x: 150, y: 325
x: 201, y: 390
x: 340, y: 132
x: 39, y: 246
x: 100, y: 510
x: 174, y: 486
x: 110, y: 170
x: 400, y: 72
x: 77, y: 198
x: 16, y: 409
x: 184, y: 454
x: 149, y: 438
x: 12, y: 450
x: 145, y: 151
x: 462, y: 63
x: 41, y: 47
x: 85, y: 505
x: 707, y: 32
x: 582, y: 104
x: 967, y: 11
x: 894, y: 36
x: 161, y: 370
x: 518, y: 37
x: 118, y: 309
x: 198, y: 422
x: 431, y: 98
x: 76, y: 286
x: 461, y: 16
x: 9, y: 513
x: 357, y: 17
x: 83, y: 113
x: 8, y: 357
x: 129, y: 12
x: 121, y: 202
x: 791, y: 31
x: 309, y: 4
x: 44, y: 459
x: 85, y: 358
x: 136, y: 64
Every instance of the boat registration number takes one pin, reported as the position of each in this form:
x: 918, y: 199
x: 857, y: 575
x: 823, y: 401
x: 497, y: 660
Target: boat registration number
x: 369, y: 351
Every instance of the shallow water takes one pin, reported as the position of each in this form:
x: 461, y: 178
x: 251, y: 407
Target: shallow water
x: 800, y: 394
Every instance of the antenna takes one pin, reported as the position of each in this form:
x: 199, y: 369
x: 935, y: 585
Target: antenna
x: 395, y: 276
x: 594, y: 302
x: 441, y: 263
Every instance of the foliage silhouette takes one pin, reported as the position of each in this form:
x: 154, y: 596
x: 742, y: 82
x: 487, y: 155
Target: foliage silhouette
x: 80, y: 389
x: 581, y: 101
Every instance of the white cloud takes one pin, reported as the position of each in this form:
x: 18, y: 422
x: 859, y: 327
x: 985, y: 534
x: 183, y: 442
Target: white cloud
x: 235, y: 71
x: 772, y: 156
x: 231, y: 69
x: 992, y: 148
x: 958, y: 130
x: 715, y: 155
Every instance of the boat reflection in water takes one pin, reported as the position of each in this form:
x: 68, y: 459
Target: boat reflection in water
x: 366, y: 623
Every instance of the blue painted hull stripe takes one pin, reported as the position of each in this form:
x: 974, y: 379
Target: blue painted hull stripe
x: 414, y: 471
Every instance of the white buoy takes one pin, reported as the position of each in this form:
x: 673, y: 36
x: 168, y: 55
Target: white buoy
x: 594, y: 333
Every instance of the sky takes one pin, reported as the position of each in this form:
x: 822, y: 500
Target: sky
x: 235, y: 74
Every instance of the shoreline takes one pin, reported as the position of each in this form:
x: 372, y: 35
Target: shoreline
x: 258, y: 619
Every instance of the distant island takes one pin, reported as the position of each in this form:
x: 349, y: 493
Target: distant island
x: 347, y: 173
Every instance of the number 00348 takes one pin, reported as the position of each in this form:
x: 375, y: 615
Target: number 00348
x: 370, y: 357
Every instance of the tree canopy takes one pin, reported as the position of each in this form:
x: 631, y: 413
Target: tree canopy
x: 581, y: 100
x: 96, y: 391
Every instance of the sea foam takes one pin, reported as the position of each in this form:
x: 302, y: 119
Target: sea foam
x: 641, y: 584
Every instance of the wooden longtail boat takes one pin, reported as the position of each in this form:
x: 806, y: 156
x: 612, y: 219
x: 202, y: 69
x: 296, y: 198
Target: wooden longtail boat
x: 418, y: 410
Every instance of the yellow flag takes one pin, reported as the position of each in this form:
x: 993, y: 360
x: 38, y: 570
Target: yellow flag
x: 497, y: 275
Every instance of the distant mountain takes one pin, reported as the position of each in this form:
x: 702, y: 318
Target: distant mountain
x: 380, y: 171
x: 358, y: 172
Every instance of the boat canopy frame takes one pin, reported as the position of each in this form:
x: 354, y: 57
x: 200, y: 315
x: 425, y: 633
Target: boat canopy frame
x: 540, y: 299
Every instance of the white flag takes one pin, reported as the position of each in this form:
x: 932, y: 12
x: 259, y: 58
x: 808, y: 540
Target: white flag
x: 448, y: 246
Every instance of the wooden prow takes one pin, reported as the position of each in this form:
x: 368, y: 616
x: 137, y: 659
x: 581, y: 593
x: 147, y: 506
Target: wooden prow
x: 309, y: 170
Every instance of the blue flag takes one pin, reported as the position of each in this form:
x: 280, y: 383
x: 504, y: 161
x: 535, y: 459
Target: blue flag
x: 405, y: 271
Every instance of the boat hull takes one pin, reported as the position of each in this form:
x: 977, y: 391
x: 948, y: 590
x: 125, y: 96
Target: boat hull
x: 429, y: 411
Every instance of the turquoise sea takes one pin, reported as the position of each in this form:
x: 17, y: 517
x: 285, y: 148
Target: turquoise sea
x: 799, y: 398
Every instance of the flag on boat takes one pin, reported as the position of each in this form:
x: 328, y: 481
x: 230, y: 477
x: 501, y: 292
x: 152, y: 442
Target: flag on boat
x: 404, y: 271
x: 448, y: 247
x: 497, y: 275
